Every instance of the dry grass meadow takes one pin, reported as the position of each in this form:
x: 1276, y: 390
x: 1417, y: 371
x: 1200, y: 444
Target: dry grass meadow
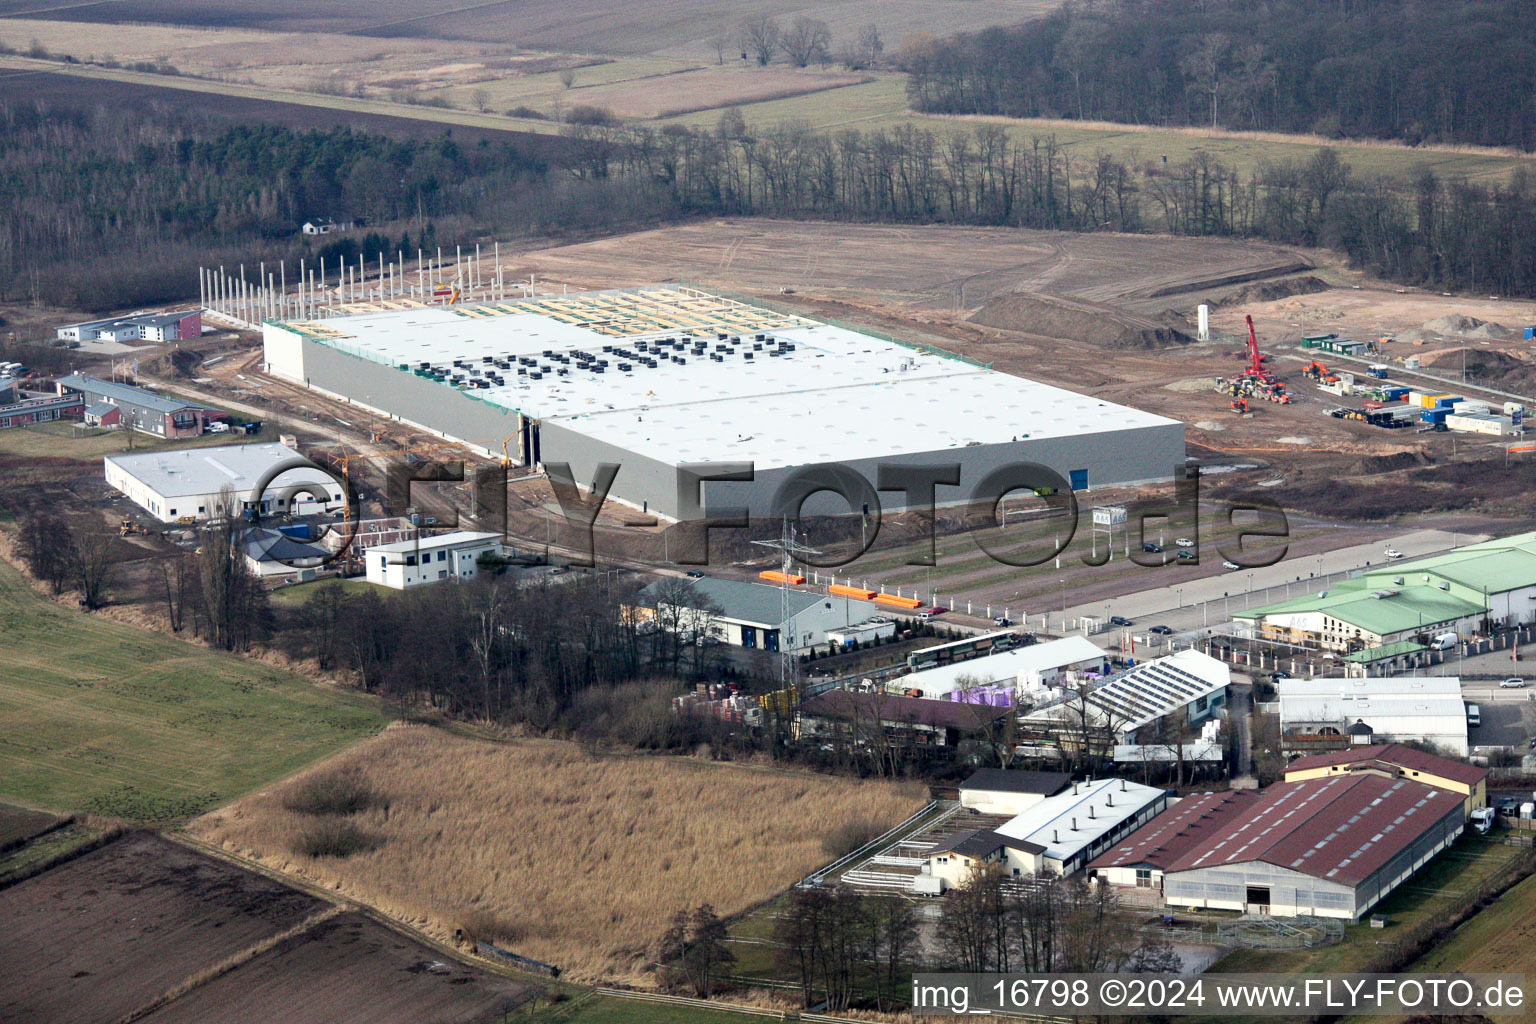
x: 564, y: 856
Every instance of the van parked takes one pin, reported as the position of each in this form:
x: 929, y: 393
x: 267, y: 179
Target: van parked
x: 1474, y: 716
x: 1444, y: 642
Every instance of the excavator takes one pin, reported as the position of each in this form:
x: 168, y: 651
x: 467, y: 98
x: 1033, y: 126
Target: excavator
x: 1318, y: 372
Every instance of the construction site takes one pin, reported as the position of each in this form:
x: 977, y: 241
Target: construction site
x: 1085, y: 319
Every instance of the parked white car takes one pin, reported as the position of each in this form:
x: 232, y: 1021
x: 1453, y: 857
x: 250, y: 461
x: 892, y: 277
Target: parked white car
x: 1392, y: 553
x: 1185, y: 542
x: 1512, y: 683
x: 1231, y: 565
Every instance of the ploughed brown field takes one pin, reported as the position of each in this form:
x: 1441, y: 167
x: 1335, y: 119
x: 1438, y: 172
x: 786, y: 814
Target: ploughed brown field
x: 148, y: 928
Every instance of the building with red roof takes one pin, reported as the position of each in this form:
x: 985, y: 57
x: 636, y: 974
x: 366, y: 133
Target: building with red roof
x: 1397, y: 761
x: 1333, y: 846
x: 1139, y: 860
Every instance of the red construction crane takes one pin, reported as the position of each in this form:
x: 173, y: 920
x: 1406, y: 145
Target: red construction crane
x: 1255, y: 358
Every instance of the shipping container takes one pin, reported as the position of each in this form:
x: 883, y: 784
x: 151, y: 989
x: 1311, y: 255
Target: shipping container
x: 779, y: 577
x: 897, y: 602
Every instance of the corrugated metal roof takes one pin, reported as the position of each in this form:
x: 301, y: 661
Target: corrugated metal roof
x: 1340, y: 828
x: 125, y: 394
x: 1177, y: 830
x: 747, y: 602
x: 1394, y: 755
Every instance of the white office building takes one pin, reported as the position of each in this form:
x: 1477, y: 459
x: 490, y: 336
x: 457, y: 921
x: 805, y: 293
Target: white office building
x: 426, y: 560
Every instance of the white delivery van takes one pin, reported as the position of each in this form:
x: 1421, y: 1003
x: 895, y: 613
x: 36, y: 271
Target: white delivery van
x: 1444, y: 642
x: 1474, y: 716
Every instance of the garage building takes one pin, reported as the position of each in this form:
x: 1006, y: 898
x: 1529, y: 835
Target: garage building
x: 656, y: 379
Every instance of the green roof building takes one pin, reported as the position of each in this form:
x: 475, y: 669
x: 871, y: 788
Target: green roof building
x: 1462, y: 591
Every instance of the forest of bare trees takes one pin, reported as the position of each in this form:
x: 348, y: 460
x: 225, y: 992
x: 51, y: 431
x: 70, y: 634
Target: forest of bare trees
x: 165, y: 194
x: 1455, y: 71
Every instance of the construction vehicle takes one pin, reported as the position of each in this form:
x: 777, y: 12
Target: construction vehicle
x: 1377, y: 370
x: 1256, y: 380
x: 1240, y: 405
x: 127, y: 527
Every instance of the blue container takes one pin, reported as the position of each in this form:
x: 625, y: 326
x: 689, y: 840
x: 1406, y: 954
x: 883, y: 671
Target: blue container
x: 1448, y: 401
x: 1434, y: 415
x: 1394, y: 394
x: 298, y: 531
x: 1530, y: 334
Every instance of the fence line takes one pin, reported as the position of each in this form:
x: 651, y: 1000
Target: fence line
x: 710, y: 1004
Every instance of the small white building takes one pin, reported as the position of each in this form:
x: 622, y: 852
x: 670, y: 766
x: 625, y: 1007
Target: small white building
x: 425, y: 560
x: 1425, y: 708
x: 1028, y: 669
x: 191, y: 482
x: 867, y: 632
x: 1009, y: 791
x: 1058, y: 835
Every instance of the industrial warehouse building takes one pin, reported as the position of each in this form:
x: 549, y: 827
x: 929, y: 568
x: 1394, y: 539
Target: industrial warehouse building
x: 1464, y: 591
x: 751, y: 614
x: 656, y: 379
x: 1023, y: 671
x: 1325, y: 847
x: 1184, y: 688
x: 1328, y: 714
x: 191, y: 482
x: 1140, y: 861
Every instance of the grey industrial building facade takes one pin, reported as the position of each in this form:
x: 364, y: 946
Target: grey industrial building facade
x: 1097, y: 453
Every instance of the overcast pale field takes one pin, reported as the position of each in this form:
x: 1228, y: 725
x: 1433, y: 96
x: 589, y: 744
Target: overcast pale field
x: 582, y: 859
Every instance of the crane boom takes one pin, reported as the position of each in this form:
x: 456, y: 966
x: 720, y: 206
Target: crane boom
x: 1255, y: 360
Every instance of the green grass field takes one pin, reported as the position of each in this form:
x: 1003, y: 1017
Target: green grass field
x: 102, y: 717
x: 880, y: 103
x: 64, y: 440
x: 298, y: 594
x: 617, y: 1010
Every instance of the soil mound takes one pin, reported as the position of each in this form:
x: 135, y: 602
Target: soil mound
x: 1467, y: 327
x: 1269, y: 291
x: 1051, y: 316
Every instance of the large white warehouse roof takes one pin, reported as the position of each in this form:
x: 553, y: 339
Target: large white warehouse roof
x: 1071, y: 821
x: 808, y: 392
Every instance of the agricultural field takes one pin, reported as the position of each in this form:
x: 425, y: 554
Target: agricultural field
x: 569, y: 857
x: 472, y: 67
x: 104, y: 717
x: 581, y: 26
x: 144, y: 927
x: 19, y: 824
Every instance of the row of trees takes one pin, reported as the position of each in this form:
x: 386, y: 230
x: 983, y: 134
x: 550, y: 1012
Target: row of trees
x: 165, y: 193
x: 850, y: 948
x: 1452, y: 71
x: 805, y: 41
x: 102, y: 211
x: 1430, y: 232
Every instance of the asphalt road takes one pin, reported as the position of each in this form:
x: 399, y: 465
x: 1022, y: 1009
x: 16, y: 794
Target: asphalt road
x: 1213, y: 600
